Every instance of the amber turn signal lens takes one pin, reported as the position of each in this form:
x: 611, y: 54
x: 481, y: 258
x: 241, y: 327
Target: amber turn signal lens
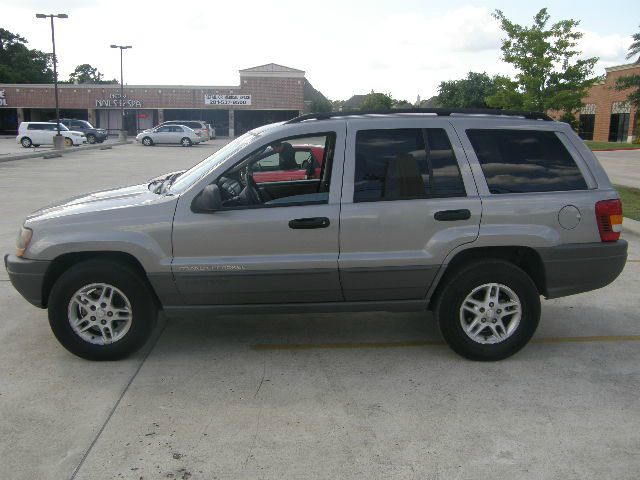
x: 24, y: 238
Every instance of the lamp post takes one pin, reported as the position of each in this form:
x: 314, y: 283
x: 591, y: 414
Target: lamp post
x: 58, y: 140
x: 123, y: 132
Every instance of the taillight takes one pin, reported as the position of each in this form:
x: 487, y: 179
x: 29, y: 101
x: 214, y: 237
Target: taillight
x: 609, y: 218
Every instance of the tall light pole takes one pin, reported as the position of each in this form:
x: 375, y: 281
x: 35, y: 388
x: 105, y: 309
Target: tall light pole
x: 123, y: 131
x: 57, y: 140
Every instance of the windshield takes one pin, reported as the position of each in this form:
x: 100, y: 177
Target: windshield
x: 198, y: 171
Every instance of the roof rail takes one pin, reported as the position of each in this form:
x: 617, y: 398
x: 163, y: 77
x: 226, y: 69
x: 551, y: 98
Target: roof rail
x: 433, y: 111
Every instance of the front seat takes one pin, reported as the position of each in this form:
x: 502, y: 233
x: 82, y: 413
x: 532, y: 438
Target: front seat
x: 288, y: 157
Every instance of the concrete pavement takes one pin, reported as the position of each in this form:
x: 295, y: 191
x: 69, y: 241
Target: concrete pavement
x: 622, y: 166
x: 270, y: 396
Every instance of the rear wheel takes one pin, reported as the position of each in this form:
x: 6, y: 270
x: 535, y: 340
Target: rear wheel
x: 488, y: 310
x: 91, y: 138
x: 101, y: 310
x: 147, y: 142
x: 186, y: 142
x: 26, y: 142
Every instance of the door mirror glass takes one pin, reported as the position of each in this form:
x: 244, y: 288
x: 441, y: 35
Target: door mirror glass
x: 209, y: 199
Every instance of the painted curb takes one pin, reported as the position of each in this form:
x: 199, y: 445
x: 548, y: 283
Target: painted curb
x: 61, y: 153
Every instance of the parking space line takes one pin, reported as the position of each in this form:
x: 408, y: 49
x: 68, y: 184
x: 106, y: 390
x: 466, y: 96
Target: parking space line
x: 427, y: 343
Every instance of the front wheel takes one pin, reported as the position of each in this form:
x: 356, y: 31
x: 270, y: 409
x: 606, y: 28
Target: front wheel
x: 91, y: 138
x: 185, y: 142
x: 147, y: 142
x: 488, y: 310
x: 101, y: 310
x: 68, y: 142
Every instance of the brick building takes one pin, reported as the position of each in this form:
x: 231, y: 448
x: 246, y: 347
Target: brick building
x: 266, y: 94
x: 606, y: 115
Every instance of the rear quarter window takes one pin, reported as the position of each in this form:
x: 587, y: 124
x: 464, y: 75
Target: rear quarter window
x: 520, y: 161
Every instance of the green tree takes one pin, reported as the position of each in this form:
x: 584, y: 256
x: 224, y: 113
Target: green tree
x: 632, y: 82
x: 377, y: 101
x: 85, y: 73
x: 320, y: 105
x: 402, y: 104
x: 19, y: 64
x: 469, y: 92
x: 550, y: 75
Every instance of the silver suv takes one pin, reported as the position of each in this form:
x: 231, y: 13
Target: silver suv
x: 472, y: 215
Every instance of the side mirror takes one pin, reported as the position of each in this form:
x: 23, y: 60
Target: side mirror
x: 209, y: 200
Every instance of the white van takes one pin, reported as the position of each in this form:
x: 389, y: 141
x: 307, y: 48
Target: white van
x: 34, y: 134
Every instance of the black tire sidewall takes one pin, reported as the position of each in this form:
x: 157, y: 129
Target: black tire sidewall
x: 120, y: 276
x: 147, y: 142
x: 188, y: 142
x: 90, y: 137
x: 462, y: 283
x: 22, y: 142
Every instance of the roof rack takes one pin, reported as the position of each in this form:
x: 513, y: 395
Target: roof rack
x: 433, y: 111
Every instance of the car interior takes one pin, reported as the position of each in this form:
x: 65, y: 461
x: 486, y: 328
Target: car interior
x: 238, y: 187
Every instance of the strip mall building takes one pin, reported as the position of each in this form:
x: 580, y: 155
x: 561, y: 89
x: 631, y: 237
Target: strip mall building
x: 266, y: 94
x: 606, y: 115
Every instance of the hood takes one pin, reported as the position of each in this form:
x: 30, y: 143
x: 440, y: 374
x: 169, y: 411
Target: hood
x: 95, y: 202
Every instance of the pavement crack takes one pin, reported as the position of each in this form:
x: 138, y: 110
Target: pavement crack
x: 115, y: 406
x: 264, y: 370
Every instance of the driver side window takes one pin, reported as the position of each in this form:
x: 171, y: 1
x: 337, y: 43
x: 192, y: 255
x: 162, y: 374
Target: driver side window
x: 289, y: 171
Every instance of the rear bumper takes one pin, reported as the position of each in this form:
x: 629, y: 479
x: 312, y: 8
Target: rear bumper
x: 581, y: 267
x: 27, y: 277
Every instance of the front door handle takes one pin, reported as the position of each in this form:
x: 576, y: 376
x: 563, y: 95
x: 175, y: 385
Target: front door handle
x: 306, y: 223
x: 452, y: 215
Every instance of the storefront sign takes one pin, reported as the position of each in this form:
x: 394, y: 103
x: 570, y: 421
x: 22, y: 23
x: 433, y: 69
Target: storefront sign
x: 115, y: 100
x: 227, y: 99
x: 3, y: 100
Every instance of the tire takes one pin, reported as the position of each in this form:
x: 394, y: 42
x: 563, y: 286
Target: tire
x: 26, y: 142
x: 82, y: 284
x: 186, y: 142
x: 68, y: 142
x: 91, y: 138
x: 503, y: 331
x: 147, y: 142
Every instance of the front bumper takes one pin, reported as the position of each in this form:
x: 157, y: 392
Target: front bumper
x: 581, y: 267
x: 27, y: 277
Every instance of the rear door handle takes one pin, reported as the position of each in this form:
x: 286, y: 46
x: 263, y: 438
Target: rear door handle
x: 307, y: 223
x: 452, y: 215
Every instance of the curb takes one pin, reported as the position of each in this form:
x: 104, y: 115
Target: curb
x: 61, y: 153
x: 631, y: 226
x: 616, y: 149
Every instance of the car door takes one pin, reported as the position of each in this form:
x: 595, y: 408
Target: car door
x: 408, y: 200
x: 282, y: 251
x: 163, y: 134
x: 178, y: 133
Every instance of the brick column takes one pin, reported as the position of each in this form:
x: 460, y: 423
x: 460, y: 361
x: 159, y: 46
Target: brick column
x: 160, y: 116
x: 91, y: 116
x: 20, y: 112
x: 231, y: 124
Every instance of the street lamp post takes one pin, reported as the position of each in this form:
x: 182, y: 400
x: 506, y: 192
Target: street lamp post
x: 123, y: 132
x: 58, y: 140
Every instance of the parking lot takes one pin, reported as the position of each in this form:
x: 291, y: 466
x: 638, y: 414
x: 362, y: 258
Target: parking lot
x: 367, y: 395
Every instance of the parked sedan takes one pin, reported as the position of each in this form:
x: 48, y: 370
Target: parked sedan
x: 169, y: 134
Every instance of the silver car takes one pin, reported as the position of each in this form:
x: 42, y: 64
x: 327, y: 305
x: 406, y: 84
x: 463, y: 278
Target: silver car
x: 169, y: 134
x: 472, y: 216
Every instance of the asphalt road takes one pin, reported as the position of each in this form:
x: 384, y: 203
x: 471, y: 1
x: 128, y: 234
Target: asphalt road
x: 370, y: 395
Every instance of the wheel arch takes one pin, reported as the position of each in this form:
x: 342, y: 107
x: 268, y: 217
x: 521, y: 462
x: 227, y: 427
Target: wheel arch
x: 64, y: 262
x: 523, y: 257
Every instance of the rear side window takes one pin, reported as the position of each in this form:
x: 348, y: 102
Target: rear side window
x: 405, y: 164
x: 36, y: 126
x: 519, y: 161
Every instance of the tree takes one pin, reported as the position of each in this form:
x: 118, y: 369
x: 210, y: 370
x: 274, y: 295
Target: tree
x: 634, y: 48
x: 469, y: 92
x: 551, y: 76
x: 632, y: 82
x: 85, y: 73
x: 402, y: 104
x: 19, y: 64
x: 320, y: 105
x: 377, y: 101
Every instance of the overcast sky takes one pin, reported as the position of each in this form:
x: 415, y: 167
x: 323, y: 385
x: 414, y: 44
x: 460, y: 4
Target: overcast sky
x: 405, y: 47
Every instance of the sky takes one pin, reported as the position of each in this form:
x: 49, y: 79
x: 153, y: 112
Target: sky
x: 402, y: 47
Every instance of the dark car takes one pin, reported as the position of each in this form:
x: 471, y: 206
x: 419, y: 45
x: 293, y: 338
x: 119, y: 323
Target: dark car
x: 94, y: 135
